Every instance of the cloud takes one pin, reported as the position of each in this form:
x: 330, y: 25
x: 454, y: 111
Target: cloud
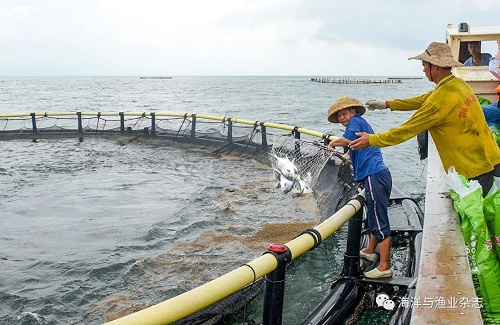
x: 241, y: 37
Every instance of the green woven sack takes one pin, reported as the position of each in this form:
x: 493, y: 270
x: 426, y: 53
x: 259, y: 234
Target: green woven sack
x: 491, y: 209
x: 484, y: 263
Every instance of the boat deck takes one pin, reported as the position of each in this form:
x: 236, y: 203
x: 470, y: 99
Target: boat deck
x: 445, y: 291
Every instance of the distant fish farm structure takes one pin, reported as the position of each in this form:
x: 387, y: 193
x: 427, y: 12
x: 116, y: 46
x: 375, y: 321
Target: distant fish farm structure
x: 159, y: 77
x: 356, y: 80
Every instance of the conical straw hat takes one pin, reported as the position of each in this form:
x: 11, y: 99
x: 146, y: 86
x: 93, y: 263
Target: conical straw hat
x: 438, y: 54
x: 344, y: 102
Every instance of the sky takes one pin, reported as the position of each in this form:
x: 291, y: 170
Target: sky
x: 227, y: 37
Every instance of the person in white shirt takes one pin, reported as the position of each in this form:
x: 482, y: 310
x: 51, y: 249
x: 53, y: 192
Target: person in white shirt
x: 494, y: 64
x: 492, y: 111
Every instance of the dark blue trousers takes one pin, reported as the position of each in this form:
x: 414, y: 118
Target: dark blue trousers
x: 378, y: 191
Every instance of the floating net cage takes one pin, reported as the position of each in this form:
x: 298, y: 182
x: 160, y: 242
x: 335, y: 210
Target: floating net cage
x: 219, y: 134
x: 262, y: 141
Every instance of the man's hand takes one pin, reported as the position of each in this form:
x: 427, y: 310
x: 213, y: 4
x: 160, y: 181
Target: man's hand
x: 375, y: 104
x: 361, y: 142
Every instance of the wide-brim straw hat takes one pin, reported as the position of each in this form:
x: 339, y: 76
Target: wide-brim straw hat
x: 344, y: 102
x: 438, y: 54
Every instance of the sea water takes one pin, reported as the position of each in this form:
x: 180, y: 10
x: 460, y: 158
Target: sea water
x: 93, y: 230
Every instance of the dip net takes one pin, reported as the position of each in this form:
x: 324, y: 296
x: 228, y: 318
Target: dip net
x: 310, y: 157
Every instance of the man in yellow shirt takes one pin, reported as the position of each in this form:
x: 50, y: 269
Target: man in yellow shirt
x: 453, y: 116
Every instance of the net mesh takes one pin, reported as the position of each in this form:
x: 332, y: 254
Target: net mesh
x: 176, y: 126
x: 223, y: 310
x: 309, y: 157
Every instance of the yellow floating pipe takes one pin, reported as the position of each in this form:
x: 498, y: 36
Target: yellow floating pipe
x: 243, y: 121
x: 279, y: 126
x: 136, y: 114
x: 172, y: 114
x: 15, y: 115
x: 303, y: 243
x: 331, y: 225
x: 203, y: 296
x: 47, y: 114
x: 211, y: 117
x: 283, y: 127
x: 100, y: 113
x: 309, y: 132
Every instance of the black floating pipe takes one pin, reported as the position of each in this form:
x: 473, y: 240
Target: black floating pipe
x: 193, y: 126
x: 229, y: 130
x: 263, y: 132
x: 33, y: 123
x: 153, y: 124
x: 275, y: 286
x: 80, y: 127
x: 340, y: 303
x: 351, y: 256
x: 122, y: 122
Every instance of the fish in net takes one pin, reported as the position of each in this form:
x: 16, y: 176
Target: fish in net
x: 297, y: 163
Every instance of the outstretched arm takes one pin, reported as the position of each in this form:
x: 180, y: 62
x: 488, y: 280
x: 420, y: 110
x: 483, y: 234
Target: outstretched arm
x: 408, y: 104
x: 376, y: 104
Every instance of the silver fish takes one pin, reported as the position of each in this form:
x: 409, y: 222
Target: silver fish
x: 277, y: 177
x: 286, y: 184
x: 297, y: 189
x: 305, y: 187
x: 286, y: 167
x: 277, y: 174
x: 302, y: 186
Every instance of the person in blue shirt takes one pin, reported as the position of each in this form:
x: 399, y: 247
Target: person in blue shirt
x: 477, y: 58
x: 492, y: 111
x: 369, y: 168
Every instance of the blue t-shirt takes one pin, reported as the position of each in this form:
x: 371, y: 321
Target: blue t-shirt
x: 484, y: 61
x: 366, y: 161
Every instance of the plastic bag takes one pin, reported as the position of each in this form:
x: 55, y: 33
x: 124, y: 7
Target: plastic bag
x: 483, y: 101
x: 480, y: 245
